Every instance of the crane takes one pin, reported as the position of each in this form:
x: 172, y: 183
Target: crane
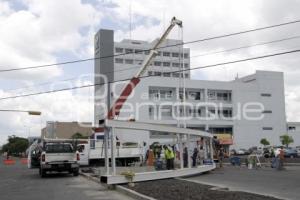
x: 127, y: 90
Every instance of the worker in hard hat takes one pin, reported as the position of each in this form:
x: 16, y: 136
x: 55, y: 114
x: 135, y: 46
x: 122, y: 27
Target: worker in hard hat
x: 169, y: 156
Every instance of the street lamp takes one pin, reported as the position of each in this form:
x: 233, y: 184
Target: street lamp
x: 30, y: 112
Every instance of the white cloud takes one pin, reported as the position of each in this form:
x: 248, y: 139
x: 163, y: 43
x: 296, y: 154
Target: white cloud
x: 73, y: 105
x: 46, y: 29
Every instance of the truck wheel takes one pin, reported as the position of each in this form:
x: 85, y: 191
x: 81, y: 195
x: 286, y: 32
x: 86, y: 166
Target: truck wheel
x: 42, y: 173
x: 76, y: 172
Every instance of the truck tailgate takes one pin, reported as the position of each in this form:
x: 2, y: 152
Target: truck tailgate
x: 60, y: 157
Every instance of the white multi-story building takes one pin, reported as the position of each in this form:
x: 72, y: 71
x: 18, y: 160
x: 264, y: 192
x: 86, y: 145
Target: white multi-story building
x: 239, y: 112
x: 168, y: 60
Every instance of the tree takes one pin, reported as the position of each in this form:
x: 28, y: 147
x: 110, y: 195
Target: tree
x: 286, y: 140
x: 15, y: 145
x: 79, y: 136
x: 264, y: 142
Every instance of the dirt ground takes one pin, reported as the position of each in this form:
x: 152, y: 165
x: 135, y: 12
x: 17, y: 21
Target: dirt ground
x: 174, y: 189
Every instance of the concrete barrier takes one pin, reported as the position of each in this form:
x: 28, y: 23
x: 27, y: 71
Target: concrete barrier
x: 9, y: 162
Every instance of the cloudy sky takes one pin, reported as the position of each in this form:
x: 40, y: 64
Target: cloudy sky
x: 34, y: 32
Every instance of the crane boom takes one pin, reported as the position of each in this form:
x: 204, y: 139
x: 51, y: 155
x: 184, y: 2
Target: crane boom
x: 116, y: 107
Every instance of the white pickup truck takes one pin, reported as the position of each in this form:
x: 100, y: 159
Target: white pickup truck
x: 55, y: 156
x: 59, y: 157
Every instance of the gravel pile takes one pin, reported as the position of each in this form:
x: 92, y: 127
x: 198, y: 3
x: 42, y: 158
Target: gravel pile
x: 173, y: 189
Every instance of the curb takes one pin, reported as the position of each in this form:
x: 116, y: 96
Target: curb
x: 119, y: 188
x: 132, y: 193
x: 94, y: 179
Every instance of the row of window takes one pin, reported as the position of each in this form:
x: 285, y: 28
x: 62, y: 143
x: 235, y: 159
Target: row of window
x: 190, y: 95
x: 219, y: 95
x: 146, y: 52
x: 167, y: 111
x: 167, y: 74
x: 155, y: 63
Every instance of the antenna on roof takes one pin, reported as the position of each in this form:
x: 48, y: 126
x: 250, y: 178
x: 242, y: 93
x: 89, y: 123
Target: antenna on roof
x: 237, y: 76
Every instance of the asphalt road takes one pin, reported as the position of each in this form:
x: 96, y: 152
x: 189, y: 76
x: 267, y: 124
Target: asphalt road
x: 267, y: 181
x: 18, y: 182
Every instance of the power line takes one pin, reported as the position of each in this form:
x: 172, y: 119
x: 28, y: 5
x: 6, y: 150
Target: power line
x: 40, y: 84
x: 178, y: 44
x: 248, y: 46
x: 169, y: 60
x: 200, y: 67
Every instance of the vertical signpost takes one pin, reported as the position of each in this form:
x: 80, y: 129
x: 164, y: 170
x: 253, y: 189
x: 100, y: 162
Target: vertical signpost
x: 104, y: 65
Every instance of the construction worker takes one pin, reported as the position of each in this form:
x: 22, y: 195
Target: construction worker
x: 169, y: 156
x: 195, y: 156
x: 281, y: 159
x: 185, y: 157
x: 221, y: 156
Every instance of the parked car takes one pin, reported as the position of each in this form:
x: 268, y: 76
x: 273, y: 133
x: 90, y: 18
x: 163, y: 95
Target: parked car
x: 266, y: 152
x: 232, y: 152
x: 290, y: 152
x: 252, y: 150
x: 298, y: 150
x: 242, y: 152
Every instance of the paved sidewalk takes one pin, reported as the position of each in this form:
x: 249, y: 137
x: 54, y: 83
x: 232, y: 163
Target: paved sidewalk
x: 19, y: 183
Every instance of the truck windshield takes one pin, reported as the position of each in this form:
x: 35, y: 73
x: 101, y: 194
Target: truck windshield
x: 59, y: 148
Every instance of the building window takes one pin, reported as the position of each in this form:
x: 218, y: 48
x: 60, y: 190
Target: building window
x: 151, y: 111
x: 176, y: 75
x: 119, y: 60
x: 211, y: 112
x: 166, y: 111
x: 292, y: 128
x: 138, y: 51
x: 157, y: 63
x: 186, y: 65
x: 128, y: 61
x: 267, y: 111
x: 186, y: 75
x: 147, y: 52
x: 166, y: 94
x: 159, y: 53
x: 267, y: 128
x: 225, y: 113
x: 265, y: 95
x: 150, y: 73
x: 128, y: 51
x: 193, y: 95
x: 219, y: 95
x: 166, y: 64
x: 175, y: 65
x: 211, y: 95
x: 166, y: 53
x: 119, y: 50
x: 175, y: 55
x: 167, y: 74
x: 154, y: 94
x: 186, y: 55
x: 157, y: 73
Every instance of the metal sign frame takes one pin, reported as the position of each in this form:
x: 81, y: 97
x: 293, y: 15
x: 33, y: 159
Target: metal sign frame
x: 113, y: 178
